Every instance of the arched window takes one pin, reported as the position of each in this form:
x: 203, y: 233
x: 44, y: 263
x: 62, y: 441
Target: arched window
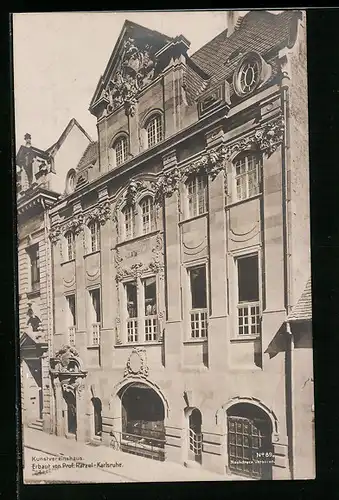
x: 94, y: 230
x: 70, y: 182
x: 147, y: 215
x: 154, y: 130
x: 197, y: 195
x: 247, y: 176
x: 129, y: 222
x: 120, y: 150
x: 70, y: 245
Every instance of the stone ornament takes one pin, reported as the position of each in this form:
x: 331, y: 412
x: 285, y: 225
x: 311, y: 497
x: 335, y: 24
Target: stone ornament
x: 100, y: 214
x: 266, y: 138
x: 55, y: 233
x: 136, y: 70
x: 166, y: 185
x: 137, y: 363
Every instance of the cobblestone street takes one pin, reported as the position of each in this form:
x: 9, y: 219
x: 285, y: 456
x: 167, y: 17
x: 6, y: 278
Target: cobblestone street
x: 50, y: 458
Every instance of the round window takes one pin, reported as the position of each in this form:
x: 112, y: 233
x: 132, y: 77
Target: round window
x: 248, y: 75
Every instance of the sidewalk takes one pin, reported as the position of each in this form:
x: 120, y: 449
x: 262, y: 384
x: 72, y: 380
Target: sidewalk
x: 119, y: 466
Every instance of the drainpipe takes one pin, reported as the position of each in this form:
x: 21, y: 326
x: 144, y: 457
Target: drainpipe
x: 291, y: 434
x: 287, y: 254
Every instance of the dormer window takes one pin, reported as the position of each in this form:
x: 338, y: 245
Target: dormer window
x: 70, y: 182
x: 121, y: 150
x: 251, y: 73
x: 154, y: 130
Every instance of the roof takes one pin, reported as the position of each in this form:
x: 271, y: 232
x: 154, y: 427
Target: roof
x: 259, y: 31
x: 302, y: 311
x: 72, y: 123
x: 90, y: 155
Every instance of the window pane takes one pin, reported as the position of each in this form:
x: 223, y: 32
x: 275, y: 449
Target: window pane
x: 248, y: 279
x: 96, y: 304
x: 150, y: 292
x: 131, y: 299
x: 198, y: 288
x: 154, y: 131
x: 129, y: 222
x: 147, y: 215
x: 71, y: 305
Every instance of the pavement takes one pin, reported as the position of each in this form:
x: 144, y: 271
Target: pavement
x: 53, y: 459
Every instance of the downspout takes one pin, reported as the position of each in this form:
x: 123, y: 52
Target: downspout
x: 50, y: 308
x: 287, y: 264
x: 291, y: 434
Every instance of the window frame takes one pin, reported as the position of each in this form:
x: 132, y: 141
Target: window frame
x: 97, y: 246
x: 157, y: 137
x: 71, y: 329
x: 258, y: 161
x: 90, y: 314
x: 34, y: 250
x: 69, y: 245
x: 188, y: 301
x: 133, y: 232
x: 121, y: 139
x: 151, y: 216
x: 139, y: 327
x: 250, y: 252
x: 195, y: 195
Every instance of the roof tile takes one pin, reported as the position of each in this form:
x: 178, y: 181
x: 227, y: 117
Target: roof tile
x: 90, y: 155
x: 303, y: 308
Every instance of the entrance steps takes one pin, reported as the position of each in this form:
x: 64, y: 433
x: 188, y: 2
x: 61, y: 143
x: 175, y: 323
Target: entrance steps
x: 37, y: 425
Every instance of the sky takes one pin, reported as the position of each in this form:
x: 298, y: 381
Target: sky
x: 59, y: 58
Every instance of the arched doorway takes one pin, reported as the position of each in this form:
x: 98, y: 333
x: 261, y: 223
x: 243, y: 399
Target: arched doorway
x: 195, y: 436
x: 71, y: 413
x: 249, y: 441
x: 143, y: 415
x: 97, y: 416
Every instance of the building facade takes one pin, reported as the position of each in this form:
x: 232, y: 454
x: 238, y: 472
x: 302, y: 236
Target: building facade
x: 180, y: 249
x: 40, y: 183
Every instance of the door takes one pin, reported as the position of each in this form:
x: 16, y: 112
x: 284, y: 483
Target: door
x: 71, y: 413
x: 195, y: 436
x: 33, y: 387
x: 250, y: 450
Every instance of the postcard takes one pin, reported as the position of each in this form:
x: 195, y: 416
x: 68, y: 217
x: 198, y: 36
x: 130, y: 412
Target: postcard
x: 163, y: 220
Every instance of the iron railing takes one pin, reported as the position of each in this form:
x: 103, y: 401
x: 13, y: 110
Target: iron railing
x: 144, y: 444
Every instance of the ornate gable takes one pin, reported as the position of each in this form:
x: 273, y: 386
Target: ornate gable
x: 132, y: 66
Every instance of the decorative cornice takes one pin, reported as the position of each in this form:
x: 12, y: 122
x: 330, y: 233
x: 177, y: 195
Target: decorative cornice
x: 135, y: 71
x: 265, y: 138
x: 101, y: 213
x: 75, y: 224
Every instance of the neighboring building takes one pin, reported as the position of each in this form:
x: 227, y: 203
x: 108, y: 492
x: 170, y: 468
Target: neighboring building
x: 181, y: 248
x: 40, y: 182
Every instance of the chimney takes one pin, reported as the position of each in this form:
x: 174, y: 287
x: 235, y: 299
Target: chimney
x: 28, y: 140
x: 232, y: 17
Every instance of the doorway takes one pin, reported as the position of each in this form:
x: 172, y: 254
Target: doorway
x: 143, y: 415
x: 71, y: 413
x: 195, y: 436
x: 249, y: 442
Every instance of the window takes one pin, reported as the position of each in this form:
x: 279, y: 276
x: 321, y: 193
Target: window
x: 248, y: 296
x: 95, y: 316
x: 197, y: 195
x: 94, y: 229
x: 198, y: 310
x: 154, y: 130
x: 70, y: 241
x: 71, y: 318
x: 150, y: 300
x: 141, y: 310
x: 147, y: 215
x: 129, y: 222
x: 120, y: 150
x: 132, y: 311
x: 247, y: 177
x: 33, y: 253
x: 97, y: 413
